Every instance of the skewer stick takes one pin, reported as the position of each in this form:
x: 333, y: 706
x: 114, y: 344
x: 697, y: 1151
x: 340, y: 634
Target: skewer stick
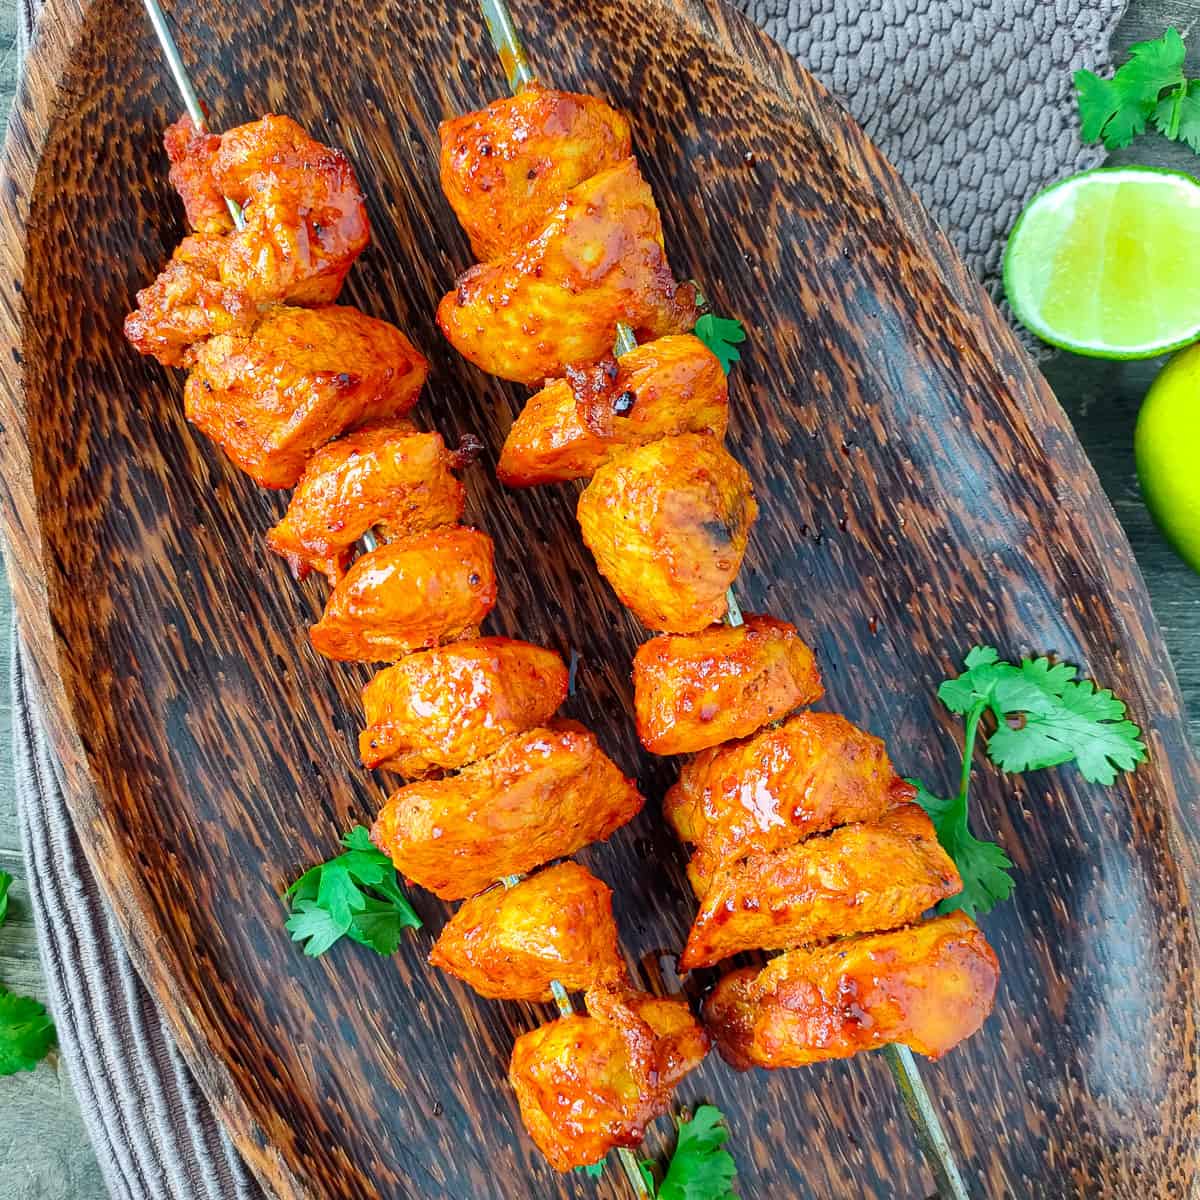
x: 900, y: 1060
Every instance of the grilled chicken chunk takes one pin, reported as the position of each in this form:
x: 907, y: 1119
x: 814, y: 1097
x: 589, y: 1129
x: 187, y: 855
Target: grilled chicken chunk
x: 567, y: 430
x: 589, y: 1084
x: 815, y: 772
x: 192, y: 154
x: 598, y: 260
x: 928, y: 986
x: 391, y: 478
x: 668, y: 524
x: 544, y: 794
x: 188, y: 303
x: 509, y: 943
x: 409, y: 595
x: 271, y: 396
x: 305, y: 217
x: 504, y: 167
x: 858, y: 878
x: 698, y: 690
x: 449, y: 706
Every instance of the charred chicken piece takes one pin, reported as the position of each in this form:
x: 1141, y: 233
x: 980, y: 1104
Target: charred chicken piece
x: 928, y: 986
x: 188, y: 303
x: 858, y: 878
x: 409, y: 595
x: 305, y: 217
x: 509, y: 943
x: 813, y: 773
x: 572, y: 426
x: 698, y: 690
x: 668, y: 524
x: 589, y: 1084
x: 272, y: 395
x: 504, y: 167
x: 599, y: 259
x: 391, y: 478
x: 543, y: 795
x: 192, y: 153
x: 449, y: 706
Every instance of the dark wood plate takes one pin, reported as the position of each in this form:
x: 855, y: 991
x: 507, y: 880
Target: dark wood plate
x: 921, y: 490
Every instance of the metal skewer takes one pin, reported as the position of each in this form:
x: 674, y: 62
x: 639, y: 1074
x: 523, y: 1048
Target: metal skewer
x: 939, y: 1155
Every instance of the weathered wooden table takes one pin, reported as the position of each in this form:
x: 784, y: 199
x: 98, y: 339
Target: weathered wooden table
x: 44, y: 1154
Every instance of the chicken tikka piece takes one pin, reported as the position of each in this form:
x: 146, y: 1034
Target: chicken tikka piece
x: 272, y: 395
x: 928, y: 986
x: 858, y: 879
x: 672, y: 385
x: 505, y: 166
x: 409, y: 595
x: 668, y: 524
x: 694, y: 691
x: 588, y: 1084
x: 814, y: 772
x: 446, y: 707
x: 391, y: 478
x: 597, y: 260
x: 544, y: 794
x: 510, y: 943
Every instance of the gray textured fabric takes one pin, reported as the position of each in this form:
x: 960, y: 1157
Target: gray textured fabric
x: 973, y: 103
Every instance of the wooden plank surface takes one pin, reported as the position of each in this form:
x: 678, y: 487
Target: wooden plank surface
x: 43, y: 1152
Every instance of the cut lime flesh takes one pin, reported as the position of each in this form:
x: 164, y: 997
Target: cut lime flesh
x: 1107, y: 263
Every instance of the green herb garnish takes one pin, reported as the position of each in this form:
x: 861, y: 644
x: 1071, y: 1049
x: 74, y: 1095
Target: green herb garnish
x: 1151, y: 86
x: 1045, y: 717
x: 355, y: 895
x: 722, y: 335
x: 26, y: 1030
x: 700, y: 1168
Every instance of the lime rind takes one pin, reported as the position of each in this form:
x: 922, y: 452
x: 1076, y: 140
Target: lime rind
x: 1027, y: 266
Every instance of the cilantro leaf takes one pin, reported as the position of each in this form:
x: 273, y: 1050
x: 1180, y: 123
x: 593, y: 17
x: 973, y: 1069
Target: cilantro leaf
x: 722, y: 335
x: 984, y: 866
x: 5, y: 883
x: 1151, y: 85
x: 700, y: 1167
x: 593, y: 1170
x: 26, y: 1033
x: 355, y: 895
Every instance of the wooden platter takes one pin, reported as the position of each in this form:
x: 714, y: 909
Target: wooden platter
x: 921, y: 491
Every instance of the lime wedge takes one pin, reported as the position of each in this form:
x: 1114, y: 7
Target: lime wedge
x: 1107, y: 263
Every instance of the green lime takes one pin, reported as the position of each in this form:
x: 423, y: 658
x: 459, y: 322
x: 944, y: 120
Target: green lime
x: 1107, y: 263
x: 1167, y: 448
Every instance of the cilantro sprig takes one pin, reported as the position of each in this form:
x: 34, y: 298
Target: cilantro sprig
x: 700, y: 1168
x: 722, y: 335
x: 1150, y: 87
x: 355, y: 895
x: 1045, y: 717
x: 26, y: 1030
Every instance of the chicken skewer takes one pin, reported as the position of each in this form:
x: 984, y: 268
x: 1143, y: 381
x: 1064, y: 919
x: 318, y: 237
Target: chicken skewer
x: 899, y: 1056
x: 304, y: 533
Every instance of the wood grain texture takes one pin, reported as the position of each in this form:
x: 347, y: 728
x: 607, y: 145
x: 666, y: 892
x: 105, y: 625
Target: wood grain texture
x: 921, y: 489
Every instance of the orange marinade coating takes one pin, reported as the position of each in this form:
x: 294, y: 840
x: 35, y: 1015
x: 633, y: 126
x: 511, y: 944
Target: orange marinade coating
x: 192, y: 153
x: 273, y: 395
x: 409, y: 595
x: 449, y: 706
x: 188, y: 303
x: 509, y: 943
x: 305, y: 216
x: 389, y: 477
x: 589, y: 1084
x: 815, y: 772
x: 504, y: 167
x: 859, y: 878
x: 928, y: 986
x: 698, y: 690
x: 598, y: 260
x: 672, y: 385
x: 544, y: 794
x: 668, y: 524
